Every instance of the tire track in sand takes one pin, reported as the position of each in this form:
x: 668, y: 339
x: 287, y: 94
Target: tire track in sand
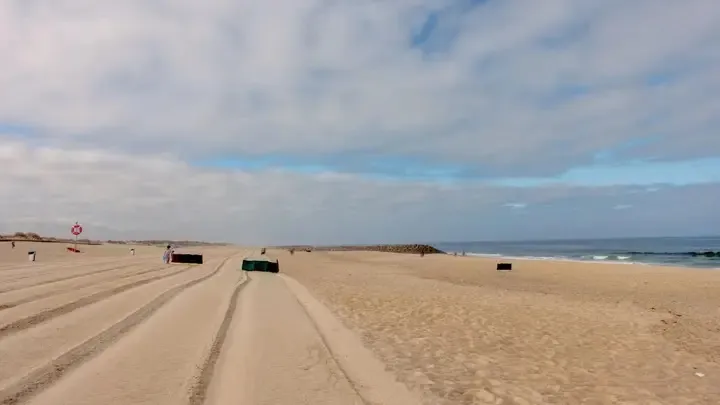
x: 367, y: 374
x: 43, y: 377
x: 65, y: 278
x: 44, y: 265
x: 33, y: 320
x: 198, y: 391
x: 273, y: 354
x: 20, y: 273
x: 35, y: 307
x: 62, y: 290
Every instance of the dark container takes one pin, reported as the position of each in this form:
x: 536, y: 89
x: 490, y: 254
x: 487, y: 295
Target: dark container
x: 186, y: 258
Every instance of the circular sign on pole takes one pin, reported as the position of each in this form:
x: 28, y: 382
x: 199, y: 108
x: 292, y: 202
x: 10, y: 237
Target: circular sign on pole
x: 76, y: 229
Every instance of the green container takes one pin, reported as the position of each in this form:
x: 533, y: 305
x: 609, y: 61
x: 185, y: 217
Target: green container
x: 271, y: 266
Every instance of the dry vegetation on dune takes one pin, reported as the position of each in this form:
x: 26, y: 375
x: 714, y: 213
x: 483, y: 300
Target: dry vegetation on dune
x: 34, y: 237
x: 464, y: 333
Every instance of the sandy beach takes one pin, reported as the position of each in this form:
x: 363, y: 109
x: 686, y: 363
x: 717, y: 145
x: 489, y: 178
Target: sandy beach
x: 106, y: 327
x: 351, y: 328
x: 547, y: 332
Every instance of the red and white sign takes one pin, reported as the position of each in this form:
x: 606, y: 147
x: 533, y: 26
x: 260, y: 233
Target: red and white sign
x: 76, y: 229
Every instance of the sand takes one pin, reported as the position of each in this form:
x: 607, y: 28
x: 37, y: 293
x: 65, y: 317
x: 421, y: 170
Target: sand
x: 104, y: 327
x: 460, y: 332
x: 351, y: 328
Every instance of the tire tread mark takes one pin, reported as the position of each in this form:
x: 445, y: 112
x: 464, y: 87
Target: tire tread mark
x: 44, y: 316
x: 51, y: 293
x: 45, y: 265
x: 57, y: 280
x: 198, y: 391
x: 332, y: 355
x: 43, y: 377
x: 52, y: 267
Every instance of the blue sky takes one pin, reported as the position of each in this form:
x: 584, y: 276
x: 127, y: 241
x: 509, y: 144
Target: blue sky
x: 574, y: 119
x: 640, y: 173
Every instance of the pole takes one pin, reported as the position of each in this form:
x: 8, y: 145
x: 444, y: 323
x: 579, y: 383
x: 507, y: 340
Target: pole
x: 76, y: 237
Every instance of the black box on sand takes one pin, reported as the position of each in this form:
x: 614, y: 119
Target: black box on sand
x: 187, y: 258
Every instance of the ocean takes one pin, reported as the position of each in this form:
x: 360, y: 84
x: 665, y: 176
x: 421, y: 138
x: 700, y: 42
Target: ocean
x: 670, y: 251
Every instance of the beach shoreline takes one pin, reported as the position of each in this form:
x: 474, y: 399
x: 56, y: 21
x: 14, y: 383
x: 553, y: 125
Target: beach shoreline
x: 687, y: 252
x: 582, y: 261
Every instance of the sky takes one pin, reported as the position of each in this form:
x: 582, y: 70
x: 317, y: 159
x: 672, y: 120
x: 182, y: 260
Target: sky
x: 340, y: 121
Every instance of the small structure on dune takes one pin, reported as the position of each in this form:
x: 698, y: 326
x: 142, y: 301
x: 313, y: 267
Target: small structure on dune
x: 262, y: 263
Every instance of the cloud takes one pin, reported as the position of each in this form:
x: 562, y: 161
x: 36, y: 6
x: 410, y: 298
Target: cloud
x: 127, y: 196
x: 515, y: 206
x: 318, y: 78
x: 297, y: 118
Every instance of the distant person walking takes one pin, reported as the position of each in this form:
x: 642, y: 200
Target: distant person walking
x: 12, y: 244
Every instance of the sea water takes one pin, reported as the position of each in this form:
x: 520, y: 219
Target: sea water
x: 672, y: 251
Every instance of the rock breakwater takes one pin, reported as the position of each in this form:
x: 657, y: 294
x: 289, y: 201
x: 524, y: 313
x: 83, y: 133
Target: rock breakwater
x: 708, y: 253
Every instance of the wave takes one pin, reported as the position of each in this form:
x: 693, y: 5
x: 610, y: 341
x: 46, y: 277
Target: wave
x: 503, y: 256
x: 683, y: 259
x: 608, y: 258
x: 482, y: 254
x: 583, y: 259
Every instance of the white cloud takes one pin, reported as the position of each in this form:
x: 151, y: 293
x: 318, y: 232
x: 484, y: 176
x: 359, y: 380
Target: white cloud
x: 128, y: 196
x: 309, y: 77
x: 105, y: 105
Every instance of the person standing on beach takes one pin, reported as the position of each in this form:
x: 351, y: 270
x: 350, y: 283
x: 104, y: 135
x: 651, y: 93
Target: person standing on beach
x: 12, y: 244
x: 166, y: 255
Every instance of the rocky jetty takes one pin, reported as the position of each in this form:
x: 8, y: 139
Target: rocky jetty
x: 708, y: 253
x: 411, y: 249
